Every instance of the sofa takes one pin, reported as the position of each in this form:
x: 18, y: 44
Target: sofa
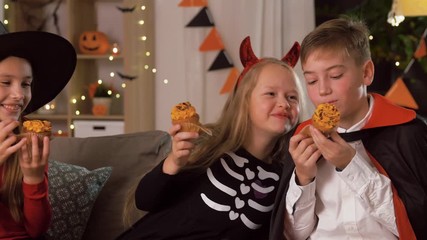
x: 91, y: 178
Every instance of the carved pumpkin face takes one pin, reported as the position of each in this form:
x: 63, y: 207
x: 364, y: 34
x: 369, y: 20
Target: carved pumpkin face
x: 93, y: 42
x: 99, y: 110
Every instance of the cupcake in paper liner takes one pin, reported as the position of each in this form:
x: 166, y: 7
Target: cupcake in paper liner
x: 40, y: 128
x: 325, y: 118
x: 185, y: 114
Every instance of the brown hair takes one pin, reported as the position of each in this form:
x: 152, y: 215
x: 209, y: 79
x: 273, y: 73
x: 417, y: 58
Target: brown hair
x: 349, y: 35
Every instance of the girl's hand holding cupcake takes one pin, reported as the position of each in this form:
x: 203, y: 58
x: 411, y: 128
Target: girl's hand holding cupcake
x: 33, y: 159
x: 182, y: 146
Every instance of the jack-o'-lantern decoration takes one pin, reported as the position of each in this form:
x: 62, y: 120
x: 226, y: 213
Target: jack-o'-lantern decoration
x: 94, y: 42
x: 99, y: 110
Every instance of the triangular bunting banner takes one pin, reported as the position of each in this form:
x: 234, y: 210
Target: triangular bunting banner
x: 415, y: 70
x: 193, y: 3
x: 221, y: 61
x: 202, y: 19
x: 415, y: 79
x: 231, y: 80
x: 400, y: 95
x: 212, y: 42
x: 421, y: 49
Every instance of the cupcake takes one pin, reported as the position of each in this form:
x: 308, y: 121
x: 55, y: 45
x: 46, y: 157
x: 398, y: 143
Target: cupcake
x: 40, y: 128
x: 325, y: 118
x: 185, y: 114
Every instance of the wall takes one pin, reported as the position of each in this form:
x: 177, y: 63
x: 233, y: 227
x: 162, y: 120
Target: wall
x: 273, y: 26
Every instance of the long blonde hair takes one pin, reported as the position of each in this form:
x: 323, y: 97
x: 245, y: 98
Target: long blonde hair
x: 234, y: 124
x: 11, y: 189
x: 228, y: 133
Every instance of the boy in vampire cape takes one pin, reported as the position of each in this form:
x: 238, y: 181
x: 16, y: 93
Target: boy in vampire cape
x: 387, y: 145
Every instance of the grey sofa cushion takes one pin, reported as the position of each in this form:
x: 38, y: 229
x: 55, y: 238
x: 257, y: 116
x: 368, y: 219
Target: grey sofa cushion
x: 129, y: 155
x: 73, y: 191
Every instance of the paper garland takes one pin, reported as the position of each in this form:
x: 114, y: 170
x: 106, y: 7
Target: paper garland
x: 421, y: 49
x: 202, y: 19
x: 193, y: 3
x: 212, y: 42
x: 400, y: 95
x: 409, y: 89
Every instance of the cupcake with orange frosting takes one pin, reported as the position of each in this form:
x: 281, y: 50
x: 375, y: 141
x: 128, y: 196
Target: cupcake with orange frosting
x: 185, y: 114
x: 325, y: 118
x: 40, y: 128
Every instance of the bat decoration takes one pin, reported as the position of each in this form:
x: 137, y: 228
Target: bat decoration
x: 125, y: 9
x: 126, y: 77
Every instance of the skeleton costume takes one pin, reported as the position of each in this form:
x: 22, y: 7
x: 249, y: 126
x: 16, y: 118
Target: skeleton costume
x: 232, y: 199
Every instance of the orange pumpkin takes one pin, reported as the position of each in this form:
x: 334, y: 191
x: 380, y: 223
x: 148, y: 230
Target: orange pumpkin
x: 94, y: 42
x: 99, y: 110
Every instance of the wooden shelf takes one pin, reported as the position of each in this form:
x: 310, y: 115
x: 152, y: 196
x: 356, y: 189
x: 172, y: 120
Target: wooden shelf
x: 48, y: 116
x: 92, y: 117
x: 136, y: 104
x: 97, y: 57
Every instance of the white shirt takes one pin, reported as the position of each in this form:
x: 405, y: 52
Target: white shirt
x: 356, y: 203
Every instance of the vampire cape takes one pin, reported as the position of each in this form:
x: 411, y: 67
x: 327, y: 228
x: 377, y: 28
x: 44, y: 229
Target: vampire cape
x: 396, y: 141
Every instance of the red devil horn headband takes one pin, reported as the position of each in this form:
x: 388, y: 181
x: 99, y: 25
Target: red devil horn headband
x: 248, y: 58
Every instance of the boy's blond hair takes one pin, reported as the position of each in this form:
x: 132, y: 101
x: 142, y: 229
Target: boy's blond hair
x: 349, y: 35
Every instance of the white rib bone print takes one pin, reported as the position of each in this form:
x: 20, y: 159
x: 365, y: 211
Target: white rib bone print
x: 253, y: 177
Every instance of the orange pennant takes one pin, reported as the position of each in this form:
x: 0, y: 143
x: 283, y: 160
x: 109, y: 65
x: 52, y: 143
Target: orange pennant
x: 193, y: 3
x: 231, y: 80
x: 212, y: 42
x: 400, y: 95
x: 421, y: 49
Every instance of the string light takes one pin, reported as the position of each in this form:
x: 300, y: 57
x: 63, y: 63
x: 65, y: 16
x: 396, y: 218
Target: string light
x: 6, y: 7
x: 115, y: 49
x: 394, y: 17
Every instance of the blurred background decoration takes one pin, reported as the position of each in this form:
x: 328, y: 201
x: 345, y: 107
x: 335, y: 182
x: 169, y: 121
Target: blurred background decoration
x: 393, y: 44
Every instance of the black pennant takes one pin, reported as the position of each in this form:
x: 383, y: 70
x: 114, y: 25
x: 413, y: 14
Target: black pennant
x: 126, y: 10
x: 415, y: 79
x: 126, y: 77
x: 414, y: 70
x: 202, y: 19
x: 221, y: 61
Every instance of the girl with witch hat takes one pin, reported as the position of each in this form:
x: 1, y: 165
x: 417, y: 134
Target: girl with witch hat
x: 224, y: 185
x: 34, y: 68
